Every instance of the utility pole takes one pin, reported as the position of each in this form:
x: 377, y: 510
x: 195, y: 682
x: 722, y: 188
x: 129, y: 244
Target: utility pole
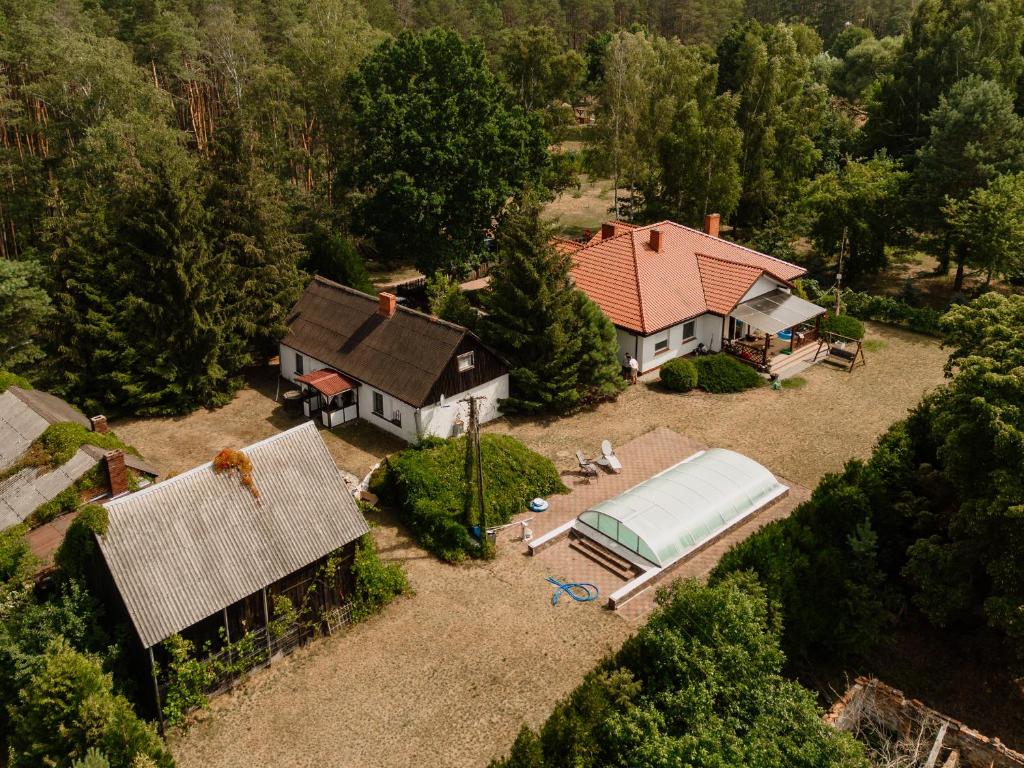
x: 839, y: 274
x: 473, y: 435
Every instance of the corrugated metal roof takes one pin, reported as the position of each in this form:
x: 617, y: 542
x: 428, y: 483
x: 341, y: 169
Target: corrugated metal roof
x: 403, y: 355
x: 23, y: 491
x: 189, y: 546
x: 19, y: 426
x: 644, y: 290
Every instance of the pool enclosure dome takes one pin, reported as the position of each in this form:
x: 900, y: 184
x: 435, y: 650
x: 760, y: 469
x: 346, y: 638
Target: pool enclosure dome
x: 667, y: 516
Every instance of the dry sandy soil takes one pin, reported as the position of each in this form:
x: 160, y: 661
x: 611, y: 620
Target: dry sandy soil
x: 446, y: 677
x: 799, y: 433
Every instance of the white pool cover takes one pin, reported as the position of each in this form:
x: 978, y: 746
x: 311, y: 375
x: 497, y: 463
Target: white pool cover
x: 663, y: 518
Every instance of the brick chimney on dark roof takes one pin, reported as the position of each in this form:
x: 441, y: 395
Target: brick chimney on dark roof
x: 117, y: 472
x: 712, y: 223
x: 387, y: 304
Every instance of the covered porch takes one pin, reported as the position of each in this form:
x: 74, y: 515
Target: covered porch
x: 770, y: 329
x: 329, y: 396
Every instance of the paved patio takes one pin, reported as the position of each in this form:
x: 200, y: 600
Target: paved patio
x: 641, y: 458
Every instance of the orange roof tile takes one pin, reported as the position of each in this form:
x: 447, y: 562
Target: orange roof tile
x: 565, y: 245
x: 644, y: 290
x: 329, y: 383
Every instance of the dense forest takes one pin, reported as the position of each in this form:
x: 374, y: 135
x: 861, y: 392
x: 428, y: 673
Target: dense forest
x: 172, y: 171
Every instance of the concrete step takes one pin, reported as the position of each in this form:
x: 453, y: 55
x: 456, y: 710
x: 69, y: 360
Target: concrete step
x: 603, y: 557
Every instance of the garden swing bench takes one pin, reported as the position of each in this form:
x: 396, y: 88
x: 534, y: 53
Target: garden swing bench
x: 840, y: 350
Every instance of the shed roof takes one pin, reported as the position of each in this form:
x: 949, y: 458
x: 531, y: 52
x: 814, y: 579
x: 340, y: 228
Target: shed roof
x: 644, y: 290
x: 403, y: 355
x: 24, y: 415
x: 325, y: 381
x: 666, y: 516
x: 185, y: 548
x: 776, y: 311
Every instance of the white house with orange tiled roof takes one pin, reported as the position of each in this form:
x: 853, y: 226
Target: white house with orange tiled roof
x: 669, y: 288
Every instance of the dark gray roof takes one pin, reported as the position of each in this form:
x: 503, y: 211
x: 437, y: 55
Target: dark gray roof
x: 23, y: 491
x: 25, y: 415
x: 189, y: 546
x: 403, y: 355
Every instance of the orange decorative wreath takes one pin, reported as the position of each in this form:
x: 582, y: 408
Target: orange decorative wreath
x: 230, y: 459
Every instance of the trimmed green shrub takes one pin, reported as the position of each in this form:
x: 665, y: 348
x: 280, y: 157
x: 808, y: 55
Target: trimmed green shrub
x: 431, y: 484
x: 844, y: 325
x: 8, y: 379
x: 679, y: 375
x: 377, y: 582
x: 722, y: 373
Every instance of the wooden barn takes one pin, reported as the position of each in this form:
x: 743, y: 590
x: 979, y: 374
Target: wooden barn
x: 209, y: 554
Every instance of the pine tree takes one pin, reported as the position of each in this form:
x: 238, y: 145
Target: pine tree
x: 600, y: 370
x: 141, y: 325
x: 252, y: 232
x: 24, y: 306
x: 531, y: 316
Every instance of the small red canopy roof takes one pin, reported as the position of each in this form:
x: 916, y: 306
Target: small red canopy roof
x: 325, y: 381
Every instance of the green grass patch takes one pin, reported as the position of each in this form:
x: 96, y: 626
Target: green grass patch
x: 431, y: 485
x: 874, y: 345
x: 793, y: 382
x: 8, y: 379
x: 723, y: 373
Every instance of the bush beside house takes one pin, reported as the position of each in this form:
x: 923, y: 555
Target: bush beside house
x: 431, y: 484
x: 679, y: 375
x: 720, y: 374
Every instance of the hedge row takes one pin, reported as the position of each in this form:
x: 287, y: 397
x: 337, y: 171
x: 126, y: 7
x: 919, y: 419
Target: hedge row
x: 718, y: 374
x: 882, y: 309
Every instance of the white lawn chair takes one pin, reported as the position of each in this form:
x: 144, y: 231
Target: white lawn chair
x: 608, y: 458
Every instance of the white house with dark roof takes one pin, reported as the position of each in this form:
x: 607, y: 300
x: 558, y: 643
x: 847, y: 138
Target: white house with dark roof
x: 669, y: 288
x: 357, y: 356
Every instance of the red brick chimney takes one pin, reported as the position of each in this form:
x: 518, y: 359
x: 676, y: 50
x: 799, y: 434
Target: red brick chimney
x: 99, y: 423
x: 117, y: 472
x: 712, y: 222
x: 656, y: 240
x: 607, y: 230
x: 387, y: 304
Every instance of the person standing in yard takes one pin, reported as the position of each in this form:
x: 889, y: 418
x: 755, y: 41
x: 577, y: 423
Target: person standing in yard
x: 634, y: 368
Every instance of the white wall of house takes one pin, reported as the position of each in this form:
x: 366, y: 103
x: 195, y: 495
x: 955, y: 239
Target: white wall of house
x: 655, y: 350
x: 433, y: 420
x: 449, y: 421
x: 763, y: 285
x: 395, y: 417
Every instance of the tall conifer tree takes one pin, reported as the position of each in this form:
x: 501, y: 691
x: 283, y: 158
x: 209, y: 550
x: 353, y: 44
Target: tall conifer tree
x: 141, y: 325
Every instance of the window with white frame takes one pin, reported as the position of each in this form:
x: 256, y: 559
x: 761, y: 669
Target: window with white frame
x: 298, y: 364
x: 689, y: 330
x: 378, y: 404
x: 661, y: 345
x: 466, y: 362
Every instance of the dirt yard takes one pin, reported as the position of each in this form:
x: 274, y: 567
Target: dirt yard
x: 443, y: 678
x: 799, y: 433
x: 446, y: 677
x: 582, y: 209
